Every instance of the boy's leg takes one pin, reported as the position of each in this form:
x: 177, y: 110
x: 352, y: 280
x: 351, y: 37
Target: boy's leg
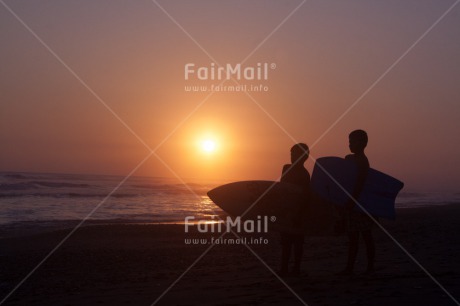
x: 286, y: 244
x: 353, y: 239
x: 298, y: 252
x: 370, y: 249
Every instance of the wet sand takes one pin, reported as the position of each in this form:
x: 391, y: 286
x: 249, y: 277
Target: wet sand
x: 133, y: 264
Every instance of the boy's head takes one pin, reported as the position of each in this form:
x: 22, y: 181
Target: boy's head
x: 357, y: 141
x: 299, y: 153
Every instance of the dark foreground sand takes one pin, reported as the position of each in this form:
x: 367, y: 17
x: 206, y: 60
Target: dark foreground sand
x: 135, y: 264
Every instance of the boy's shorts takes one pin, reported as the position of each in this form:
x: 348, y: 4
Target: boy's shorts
x: 289, y: 239
x: 359, y: 222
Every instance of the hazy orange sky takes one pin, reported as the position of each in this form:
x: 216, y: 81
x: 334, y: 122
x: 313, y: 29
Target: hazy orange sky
x: 327, y: 55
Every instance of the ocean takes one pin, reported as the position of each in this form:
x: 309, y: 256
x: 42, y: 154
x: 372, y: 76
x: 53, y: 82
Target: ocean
x: 70, y: 197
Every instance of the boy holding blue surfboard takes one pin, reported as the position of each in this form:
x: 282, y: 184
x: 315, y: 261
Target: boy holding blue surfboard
x: 358, y: 222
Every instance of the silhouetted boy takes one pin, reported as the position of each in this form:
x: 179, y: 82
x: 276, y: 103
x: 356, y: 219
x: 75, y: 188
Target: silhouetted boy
x: 295, y: 173
x: 358, y: 222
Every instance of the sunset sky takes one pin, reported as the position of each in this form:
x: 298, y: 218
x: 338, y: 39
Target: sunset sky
x: 130, y: 56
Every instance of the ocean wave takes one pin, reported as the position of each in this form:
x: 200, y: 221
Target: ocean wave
x: 411, y: 195
x: 15, y: 176
x: 173, y: 188
x: 16, y: 186
x: 39, y: 184
x: 68, y: 195
x: 24, y: 176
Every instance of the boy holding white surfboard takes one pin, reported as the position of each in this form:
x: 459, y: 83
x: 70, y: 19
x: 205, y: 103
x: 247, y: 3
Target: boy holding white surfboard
x: 295, y: 173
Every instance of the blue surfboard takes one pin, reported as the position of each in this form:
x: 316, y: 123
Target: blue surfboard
x: 332, y: 175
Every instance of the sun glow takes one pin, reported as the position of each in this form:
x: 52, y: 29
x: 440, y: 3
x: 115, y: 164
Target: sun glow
x: 208, y: 146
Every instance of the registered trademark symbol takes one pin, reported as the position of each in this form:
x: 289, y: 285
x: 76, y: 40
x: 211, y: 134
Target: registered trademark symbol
x: 273, y: 218
x: 273, y: 66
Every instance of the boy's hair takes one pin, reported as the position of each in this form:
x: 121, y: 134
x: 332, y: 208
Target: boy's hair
x: 301, y: 148
x: 360, y: 136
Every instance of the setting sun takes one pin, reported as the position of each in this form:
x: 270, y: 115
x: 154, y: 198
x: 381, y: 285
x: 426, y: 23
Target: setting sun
x: 208, y: 145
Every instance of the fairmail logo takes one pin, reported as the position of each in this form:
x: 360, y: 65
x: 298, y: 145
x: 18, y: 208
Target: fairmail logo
x: 259, y: 72
x: 257, y: 225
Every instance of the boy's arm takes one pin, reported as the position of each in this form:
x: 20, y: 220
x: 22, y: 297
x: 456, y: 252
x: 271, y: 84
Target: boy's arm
x: 363, y: 167
x: 306, y: 192
x: 283, y: 172
x: 306, y: 198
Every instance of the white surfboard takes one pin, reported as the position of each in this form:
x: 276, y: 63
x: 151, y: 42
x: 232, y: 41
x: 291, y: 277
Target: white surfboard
x: 283, y: 201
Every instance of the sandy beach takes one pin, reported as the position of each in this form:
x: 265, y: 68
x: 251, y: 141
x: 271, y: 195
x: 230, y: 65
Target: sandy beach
x: 133, y: 264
